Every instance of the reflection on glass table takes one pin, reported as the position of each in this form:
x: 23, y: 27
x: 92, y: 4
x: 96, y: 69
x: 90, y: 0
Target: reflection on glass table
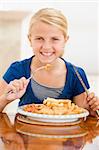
x: 28, y: 136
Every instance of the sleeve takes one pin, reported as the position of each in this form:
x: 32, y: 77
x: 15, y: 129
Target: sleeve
x: 78, y: 88
x: 13, y: 72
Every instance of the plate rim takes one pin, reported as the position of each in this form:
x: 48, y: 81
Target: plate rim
x: 46, y: 116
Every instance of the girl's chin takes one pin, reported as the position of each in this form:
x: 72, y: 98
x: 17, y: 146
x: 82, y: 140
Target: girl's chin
x: 47, y: 59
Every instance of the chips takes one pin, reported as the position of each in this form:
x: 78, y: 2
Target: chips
x: 53, y: 106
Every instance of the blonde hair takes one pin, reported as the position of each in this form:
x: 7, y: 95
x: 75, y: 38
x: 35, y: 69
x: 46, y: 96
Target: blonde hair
x: 50, y: 16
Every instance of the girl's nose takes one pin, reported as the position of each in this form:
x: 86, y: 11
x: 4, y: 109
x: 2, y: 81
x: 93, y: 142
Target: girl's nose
x: 47, y: 45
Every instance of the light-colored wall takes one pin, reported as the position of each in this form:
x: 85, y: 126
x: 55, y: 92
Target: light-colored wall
x: 9, y: 43
x: 10, y: 37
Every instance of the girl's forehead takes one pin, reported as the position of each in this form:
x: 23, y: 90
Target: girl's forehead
x: 41, y: 27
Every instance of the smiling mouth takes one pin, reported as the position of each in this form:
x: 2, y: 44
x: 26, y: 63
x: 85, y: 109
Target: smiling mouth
x: 47, y: 54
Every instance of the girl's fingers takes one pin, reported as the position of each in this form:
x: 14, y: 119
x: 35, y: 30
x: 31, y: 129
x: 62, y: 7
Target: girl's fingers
x: 16, y: 84
x: 11, y: 88
x: 16, y: 88
x: 90, y: 96
x: 19, y: 84
x: 95, y: 106
x: 92, y: 101
x: 24, y: 81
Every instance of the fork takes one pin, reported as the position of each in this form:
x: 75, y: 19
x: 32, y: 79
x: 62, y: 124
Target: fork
x: 83, y: 84
x: 46, y: 67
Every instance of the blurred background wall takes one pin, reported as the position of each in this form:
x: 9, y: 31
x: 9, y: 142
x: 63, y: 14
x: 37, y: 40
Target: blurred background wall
x: 10, y: 37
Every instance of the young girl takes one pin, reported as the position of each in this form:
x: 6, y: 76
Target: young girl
x: 48, y: 37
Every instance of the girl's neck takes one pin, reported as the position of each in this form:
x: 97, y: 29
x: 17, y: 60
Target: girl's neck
x: 54, y: 65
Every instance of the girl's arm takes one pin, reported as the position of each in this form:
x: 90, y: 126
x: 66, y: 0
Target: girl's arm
x: 81, y: 100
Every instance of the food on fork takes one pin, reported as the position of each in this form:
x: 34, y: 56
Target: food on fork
x: 53, y: 106
x: 47, y: 67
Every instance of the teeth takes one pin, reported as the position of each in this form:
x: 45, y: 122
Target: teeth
x: 47, y: 54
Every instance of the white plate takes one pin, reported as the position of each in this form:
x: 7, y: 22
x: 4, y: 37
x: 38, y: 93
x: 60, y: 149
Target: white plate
x: 52, y: 118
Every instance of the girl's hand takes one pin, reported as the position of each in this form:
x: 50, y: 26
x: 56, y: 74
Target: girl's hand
x: 93, y: 101
x: 16, y: 89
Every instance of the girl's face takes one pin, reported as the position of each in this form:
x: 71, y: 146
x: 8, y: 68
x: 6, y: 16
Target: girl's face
x: 47, y: 42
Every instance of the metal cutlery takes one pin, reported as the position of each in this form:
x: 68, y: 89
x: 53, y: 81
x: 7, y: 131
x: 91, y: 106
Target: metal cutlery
x: 83, y: 84
x: 46, y: 67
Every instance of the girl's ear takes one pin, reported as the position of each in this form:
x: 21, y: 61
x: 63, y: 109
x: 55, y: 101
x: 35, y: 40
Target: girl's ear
x: 29, y: 38
x: 67, y: 38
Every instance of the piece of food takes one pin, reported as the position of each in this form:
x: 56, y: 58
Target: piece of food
x: 47, y: 67
x: 53, y: 106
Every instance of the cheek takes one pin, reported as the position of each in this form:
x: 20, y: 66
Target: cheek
x: 59, y: 47
x: 36, y: 46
